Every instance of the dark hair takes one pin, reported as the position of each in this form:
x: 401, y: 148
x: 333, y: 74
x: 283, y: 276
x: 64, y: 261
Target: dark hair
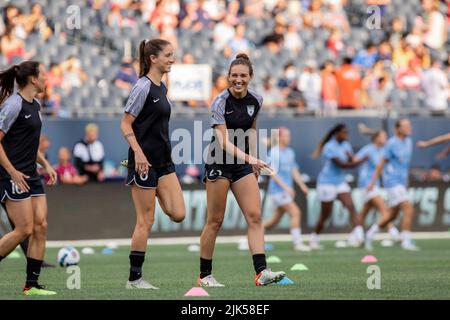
x: 376, y: 134
x: 347, y: 60
x: 399, y: 122
x: 336, y: 129
x: 148, y: 48
x: 17, y: 73
x: 242, y: 59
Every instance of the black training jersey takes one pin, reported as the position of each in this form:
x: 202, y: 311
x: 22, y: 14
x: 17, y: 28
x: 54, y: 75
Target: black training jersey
x: 238, y: 115
x: 20, y: 120
x: 149, y: 104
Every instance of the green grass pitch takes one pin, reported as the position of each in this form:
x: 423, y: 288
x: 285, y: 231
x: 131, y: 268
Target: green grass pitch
x: 333, y: 274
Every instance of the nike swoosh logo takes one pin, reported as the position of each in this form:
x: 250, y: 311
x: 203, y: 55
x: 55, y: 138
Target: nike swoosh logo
x: 230, y: 112
x: 28, y: 116
x: 155, y: 101
x: 36, y: 274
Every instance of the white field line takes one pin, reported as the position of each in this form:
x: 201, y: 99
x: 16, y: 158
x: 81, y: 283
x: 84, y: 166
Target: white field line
x: 228, y: 239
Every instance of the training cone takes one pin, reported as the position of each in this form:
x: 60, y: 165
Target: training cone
x: 193, y: 248
x: 197, y: 292
x: 87, y: 251
x: 107, y: 251
x: 285, y: 280
x: 299, y: 267
x: 14, y: 255
x: 369, y: 259
x: 387, y: 243
x: 268, y: 247
x: 340, y: 244
x: 273, y: 259
x: 112, y: 245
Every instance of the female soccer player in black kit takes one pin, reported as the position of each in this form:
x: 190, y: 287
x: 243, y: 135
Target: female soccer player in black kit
x: 21, y: 189
x: 232, y: 166
x: 151, y: 171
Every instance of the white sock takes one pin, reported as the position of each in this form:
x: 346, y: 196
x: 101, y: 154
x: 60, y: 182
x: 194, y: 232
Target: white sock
x: 406, y: 236
x: 393, y: 231
x: 296, y: 234
x: 314, y: 237
x: 359, y: 232
x: 372, y: 232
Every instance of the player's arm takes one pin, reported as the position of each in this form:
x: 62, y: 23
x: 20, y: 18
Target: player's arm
x: 434, y: 141
x: 299, y: 181
x: 353, y: 163
x: 141, y: 161
x: 283, y: 185
x: 48, y: 167
x: 376, y: 174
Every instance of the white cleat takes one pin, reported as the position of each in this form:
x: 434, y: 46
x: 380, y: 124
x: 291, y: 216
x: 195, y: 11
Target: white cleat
x: 302, y: 247
x: 139, y: 284
x: 209, y: 281
x: 315, y: 245
x: 409, y: 246
x: 268, y: 276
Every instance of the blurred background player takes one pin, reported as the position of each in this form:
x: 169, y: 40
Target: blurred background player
x: 337, y: 154
x: 151, y: 171
x: 232, y: 165
x: 395, y: 168
x: 436, y: 140
x: 374, y: 151
x: 21, y: 189
x: 281, y: 187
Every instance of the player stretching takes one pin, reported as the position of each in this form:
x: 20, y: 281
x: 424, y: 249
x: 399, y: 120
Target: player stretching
x: 21, y: 189
x: 395, y: 168
x: 151, y: 171
x: 331, y: 185
x: 372, y: 199
x: 231, y: 167
x: 281, y: 188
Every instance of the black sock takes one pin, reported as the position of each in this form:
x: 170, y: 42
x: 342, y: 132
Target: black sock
x: 259, y: 262
x: 205, y: 267
x: 136, y: 261
x: 33, y: 271
x: 1, y: 258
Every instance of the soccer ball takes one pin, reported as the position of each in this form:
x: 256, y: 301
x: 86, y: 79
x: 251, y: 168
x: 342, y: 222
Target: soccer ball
x: 68, y: 256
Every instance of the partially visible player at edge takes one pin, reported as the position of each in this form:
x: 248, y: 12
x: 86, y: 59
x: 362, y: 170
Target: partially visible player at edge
x: 395, y: 168
x: 151, y: 171
x: 21, y: 190
x: 337, y: 154
x: 232, y: 165
x: 281, y: 187
x: 374, y: 151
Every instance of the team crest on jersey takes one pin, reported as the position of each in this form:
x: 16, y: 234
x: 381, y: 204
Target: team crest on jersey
x: 250, y: 110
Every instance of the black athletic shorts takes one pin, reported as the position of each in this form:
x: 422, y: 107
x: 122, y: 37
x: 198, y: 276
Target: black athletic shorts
x: 232, y: 173
x: 149, y: 181
x: 9, y: 190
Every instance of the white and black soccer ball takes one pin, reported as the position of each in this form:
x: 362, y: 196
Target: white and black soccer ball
x: 68, y: 256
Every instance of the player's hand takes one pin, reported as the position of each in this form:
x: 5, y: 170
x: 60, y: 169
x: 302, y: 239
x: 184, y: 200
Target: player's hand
x: 52, y: 174
x: 422, y: 144
x: 291, y: 192
x: 19, y: 180
x: 261, y: 166
x: 142, y: 164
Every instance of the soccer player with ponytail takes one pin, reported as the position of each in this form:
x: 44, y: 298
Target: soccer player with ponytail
x: 151, y: 171
x: 21, y: 189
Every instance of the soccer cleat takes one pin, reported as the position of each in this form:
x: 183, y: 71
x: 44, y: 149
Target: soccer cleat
x: 209, y: 281
x: 408, y: 245
x: 302, y: 247
x: 37, y: 291
x: 139, y: 284
x: 268, y: 276
x: 47, y: 265
x: 315, y: 245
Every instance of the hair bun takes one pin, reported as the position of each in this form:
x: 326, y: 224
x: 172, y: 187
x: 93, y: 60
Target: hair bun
x: 243, y: 56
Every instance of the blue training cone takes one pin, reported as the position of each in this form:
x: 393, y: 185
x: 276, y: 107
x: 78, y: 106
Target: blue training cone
x: 107, y: 251
x: 285, y: 280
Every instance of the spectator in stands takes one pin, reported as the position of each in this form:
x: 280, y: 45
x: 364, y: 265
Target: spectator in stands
x: 36, y: 22
x: 380, y: 95
x: 314, y: 17
x: 434, y: 26
x: 239, y: 44
x: 366, y: 58
x: 310, y: 85
x: 288, y: 86
x: 423, y: 57
x: 397, y: 31
x: 67, y: 173
x: 436, y: 87
x: 335, y: 43
x: 12, y: 46
x: 220, y: 84
x: 409, y: 80
x: 292, y: 40
x: 403, y: 54
x: 273, y: 98
x: 223, y: 32
x: 73, y: 74
x: 89, y: 154
x: 434, y: 174
x: 329, y: 89
x: 349, y: 84
x: 335, y: 17
x: 194, y: 17
x: 126, y: 77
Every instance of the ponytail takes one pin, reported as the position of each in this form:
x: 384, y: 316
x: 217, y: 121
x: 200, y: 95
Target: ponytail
x: 148, y: 48
x: 17, y: 73
x: 327, y: 138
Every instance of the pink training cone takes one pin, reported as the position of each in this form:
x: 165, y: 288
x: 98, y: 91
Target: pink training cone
x: 369, y: 259
x: 197, y: 292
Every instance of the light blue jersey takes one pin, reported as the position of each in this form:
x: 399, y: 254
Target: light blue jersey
x: 286, y: 160
x: 367, y: 169
x: 398, y: 158
x: 331, y: 173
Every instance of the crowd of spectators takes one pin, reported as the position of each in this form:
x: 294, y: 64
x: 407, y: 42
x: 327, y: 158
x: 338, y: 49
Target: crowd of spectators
x: 407, y: 66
